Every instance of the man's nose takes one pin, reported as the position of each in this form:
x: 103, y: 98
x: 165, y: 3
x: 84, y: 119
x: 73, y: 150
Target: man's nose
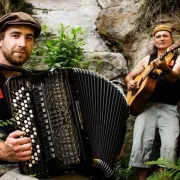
x: 22, y: 41
x: 162, y: 37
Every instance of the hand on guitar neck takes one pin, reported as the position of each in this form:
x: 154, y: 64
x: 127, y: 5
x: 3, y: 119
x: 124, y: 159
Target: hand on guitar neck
x: 160, y: 64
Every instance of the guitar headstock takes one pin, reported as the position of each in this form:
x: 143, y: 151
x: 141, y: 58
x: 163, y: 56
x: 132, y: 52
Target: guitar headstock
x: 173, y: 46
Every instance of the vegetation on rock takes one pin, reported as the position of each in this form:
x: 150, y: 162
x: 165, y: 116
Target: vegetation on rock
x: 158, y: 11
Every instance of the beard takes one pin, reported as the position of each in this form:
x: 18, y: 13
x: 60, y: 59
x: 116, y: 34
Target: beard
x: 15, y: 60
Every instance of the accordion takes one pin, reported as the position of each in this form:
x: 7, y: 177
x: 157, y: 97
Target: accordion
x: 76, y: 120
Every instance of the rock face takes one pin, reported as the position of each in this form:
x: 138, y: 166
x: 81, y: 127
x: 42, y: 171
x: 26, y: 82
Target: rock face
x: 117, y: 22
x: 110, y: 25
x: 74, y: 13
x: 84, y: 13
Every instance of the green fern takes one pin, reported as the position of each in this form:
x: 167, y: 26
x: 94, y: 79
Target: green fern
x: 171, y: 172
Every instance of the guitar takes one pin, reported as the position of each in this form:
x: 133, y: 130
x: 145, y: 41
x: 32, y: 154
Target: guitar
x: 145, y: 84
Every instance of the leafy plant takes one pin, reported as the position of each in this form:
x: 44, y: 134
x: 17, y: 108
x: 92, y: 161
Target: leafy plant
x: 122, y: 171
x: 62, y: 50
x: 171, y: 172
x: 4, y: 123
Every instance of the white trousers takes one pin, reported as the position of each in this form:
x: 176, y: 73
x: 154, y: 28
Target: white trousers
x: 14, y: 174
x: 166, y: 119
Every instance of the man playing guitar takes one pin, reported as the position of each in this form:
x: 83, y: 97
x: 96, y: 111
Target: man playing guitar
x: 160, y: 110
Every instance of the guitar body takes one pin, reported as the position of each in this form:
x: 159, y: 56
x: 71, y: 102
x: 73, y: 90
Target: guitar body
x: 138, y: 97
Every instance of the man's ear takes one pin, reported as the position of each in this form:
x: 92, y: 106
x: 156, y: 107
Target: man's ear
x: 1, y: 42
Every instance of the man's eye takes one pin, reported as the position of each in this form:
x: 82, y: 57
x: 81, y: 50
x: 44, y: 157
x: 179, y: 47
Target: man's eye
x: 15, y: 35
x: 29, y: 38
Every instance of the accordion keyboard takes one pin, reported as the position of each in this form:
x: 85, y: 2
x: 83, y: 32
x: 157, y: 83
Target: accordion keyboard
x: 24, y: 119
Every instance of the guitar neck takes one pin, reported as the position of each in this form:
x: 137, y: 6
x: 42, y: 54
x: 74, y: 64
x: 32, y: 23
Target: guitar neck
x: 158, y: 71
x: 163, y: 55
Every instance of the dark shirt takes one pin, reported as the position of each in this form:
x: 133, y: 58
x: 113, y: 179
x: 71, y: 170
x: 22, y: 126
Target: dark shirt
x: 4, y: 109
x: 165, y: 91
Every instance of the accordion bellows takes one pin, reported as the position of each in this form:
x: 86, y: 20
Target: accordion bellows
x: 76, y: 120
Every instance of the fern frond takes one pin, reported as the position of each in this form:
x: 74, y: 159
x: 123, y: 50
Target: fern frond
x: 178, y: 162
x: 177, y: 176
x: 157, y: 176
x: 164, y: 162
x: 171, y: 172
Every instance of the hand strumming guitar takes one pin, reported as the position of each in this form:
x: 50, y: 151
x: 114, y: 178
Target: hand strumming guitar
x: 131, y: 84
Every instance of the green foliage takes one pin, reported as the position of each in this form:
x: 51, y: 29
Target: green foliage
x: 5, y: 123
x: 156, y: 11
x: 122, y: 171
x: 8, y: 6
x: 62, y: 50
x: 171, y: 172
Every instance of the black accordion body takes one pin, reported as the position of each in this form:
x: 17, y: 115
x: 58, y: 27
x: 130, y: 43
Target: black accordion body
x: 76, y: 120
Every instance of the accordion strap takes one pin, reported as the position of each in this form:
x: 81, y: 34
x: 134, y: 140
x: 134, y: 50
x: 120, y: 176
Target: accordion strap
x: 11, y: 68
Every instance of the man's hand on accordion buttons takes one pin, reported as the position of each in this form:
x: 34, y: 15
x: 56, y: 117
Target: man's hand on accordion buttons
x: 16, y: 148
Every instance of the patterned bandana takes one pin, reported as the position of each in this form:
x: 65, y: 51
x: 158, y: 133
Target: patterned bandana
x: 161, y: 28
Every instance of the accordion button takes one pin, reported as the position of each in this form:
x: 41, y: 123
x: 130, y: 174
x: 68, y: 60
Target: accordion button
x: 32, y: 136
x: 15, y: 105
x: 27, y: 130
x: 33, y: 161
x: 35, y: 133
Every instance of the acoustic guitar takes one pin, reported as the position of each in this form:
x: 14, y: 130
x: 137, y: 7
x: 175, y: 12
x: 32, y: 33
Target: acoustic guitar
x: 146, y: 84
